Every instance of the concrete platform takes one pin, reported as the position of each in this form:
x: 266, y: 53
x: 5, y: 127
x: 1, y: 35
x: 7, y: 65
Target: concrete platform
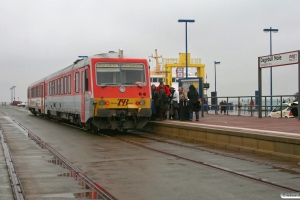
x: 5, y: 186
x: 271, y: 136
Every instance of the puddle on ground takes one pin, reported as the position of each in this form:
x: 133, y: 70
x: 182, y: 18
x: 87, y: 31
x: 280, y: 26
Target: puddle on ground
x: 88, y: 193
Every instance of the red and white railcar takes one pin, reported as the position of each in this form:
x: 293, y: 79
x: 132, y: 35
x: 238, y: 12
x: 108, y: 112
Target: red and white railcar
x: 104, y: 91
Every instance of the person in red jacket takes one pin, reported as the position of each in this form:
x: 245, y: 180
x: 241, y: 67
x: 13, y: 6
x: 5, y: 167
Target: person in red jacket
x: 163, y: 107
x: 164, y: 87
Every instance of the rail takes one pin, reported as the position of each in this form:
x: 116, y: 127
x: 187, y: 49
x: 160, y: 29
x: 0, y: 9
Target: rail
x: 97, y: 192
x: 16, y: 186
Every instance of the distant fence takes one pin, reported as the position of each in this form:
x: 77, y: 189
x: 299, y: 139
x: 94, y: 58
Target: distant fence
x: 240, y: 105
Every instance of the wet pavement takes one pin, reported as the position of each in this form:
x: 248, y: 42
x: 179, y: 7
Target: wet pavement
x: 39, y: 178
x: 124, y: 170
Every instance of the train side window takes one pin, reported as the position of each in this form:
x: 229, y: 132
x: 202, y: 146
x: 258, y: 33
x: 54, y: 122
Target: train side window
x: 82, y: 82
x: 69, y: 84
x: 41, y: 91
x: 65, y: 85
x: 86, y: 82
x: 62, y: 85
x: 53, y: 87
x: 56, y: 87
x: 77, y: 82
x: 38, y: 91
x: 51, y: 91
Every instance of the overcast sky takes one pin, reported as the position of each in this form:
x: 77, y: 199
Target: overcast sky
x: 40, y: 37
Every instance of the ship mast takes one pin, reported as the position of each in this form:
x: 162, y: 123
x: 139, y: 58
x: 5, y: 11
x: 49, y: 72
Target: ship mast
x: 157, y: 67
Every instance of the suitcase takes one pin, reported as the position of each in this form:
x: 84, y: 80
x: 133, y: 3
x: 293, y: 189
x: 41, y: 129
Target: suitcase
x: 183, y: 113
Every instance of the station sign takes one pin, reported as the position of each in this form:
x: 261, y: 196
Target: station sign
x: 180, y: 72
x: 206, y: 85
x: 287, y: 58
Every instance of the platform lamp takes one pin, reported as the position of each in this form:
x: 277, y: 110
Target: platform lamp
x: 216, y: 63
x: 274, y: 31
x: 186, y: 56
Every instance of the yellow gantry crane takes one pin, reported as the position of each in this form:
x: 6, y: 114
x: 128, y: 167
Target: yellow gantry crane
x: 166, y: 71
x: 180, y: 63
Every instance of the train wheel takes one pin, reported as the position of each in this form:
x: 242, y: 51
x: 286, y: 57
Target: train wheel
x: 94, y: 129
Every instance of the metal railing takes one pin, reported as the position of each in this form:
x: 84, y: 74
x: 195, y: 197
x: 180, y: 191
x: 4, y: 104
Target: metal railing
x: 240, y: 105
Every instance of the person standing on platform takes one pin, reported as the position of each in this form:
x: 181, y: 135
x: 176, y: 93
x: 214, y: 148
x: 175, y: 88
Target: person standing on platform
x: 221, y: 107
x: 174, y: 104
x: 251, y: 105
x: 182, y: 94
x: 164, y: 87
x: 154, y: 96
x: 162, y: 104
x: 194, y: 103
x: 224, y: 107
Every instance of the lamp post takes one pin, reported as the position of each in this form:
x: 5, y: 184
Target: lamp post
x: 186, y: 51
x: 12, y: 89
x: 274, y: 31
x: 216, y: 63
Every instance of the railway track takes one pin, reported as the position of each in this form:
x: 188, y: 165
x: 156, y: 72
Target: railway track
x: 17, y: 189
x: 140, y: 134
x: 236, y: 173
x: 297, y: 170
x: 96, y: 191
x: 162, y: 140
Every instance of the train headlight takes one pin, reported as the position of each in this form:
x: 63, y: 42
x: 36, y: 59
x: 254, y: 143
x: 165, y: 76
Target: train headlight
x: 102, y: 102
x: 142, y: 102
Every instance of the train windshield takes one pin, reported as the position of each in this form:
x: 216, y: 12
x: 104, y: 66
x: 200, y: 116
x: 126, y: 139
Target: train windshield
x: 120, y: 73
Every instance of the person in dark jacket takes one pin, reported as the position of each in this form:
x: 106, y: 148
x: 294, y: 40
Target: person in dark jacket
x: 194, y: 104
x: 162, y: 104
x: 164, y: 87
x: 154, y: 96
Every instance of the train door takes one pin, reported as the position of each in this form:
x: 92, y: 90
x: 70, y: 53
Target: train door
x: 82, y: 99
x: 85, y: 95
x: 42, y: 95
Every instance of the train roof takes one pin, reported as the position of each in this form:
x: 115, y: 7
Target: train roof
x: 37, y: 82
x: 83, y: 61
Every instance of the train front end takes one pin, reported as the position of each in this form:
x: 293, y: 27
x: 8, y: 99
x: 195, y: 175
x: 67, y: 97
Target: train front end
x: 122, y: 93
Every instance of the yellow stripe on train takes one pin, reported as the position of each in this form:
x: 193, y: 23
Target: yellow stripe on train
x: 123, y: 102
